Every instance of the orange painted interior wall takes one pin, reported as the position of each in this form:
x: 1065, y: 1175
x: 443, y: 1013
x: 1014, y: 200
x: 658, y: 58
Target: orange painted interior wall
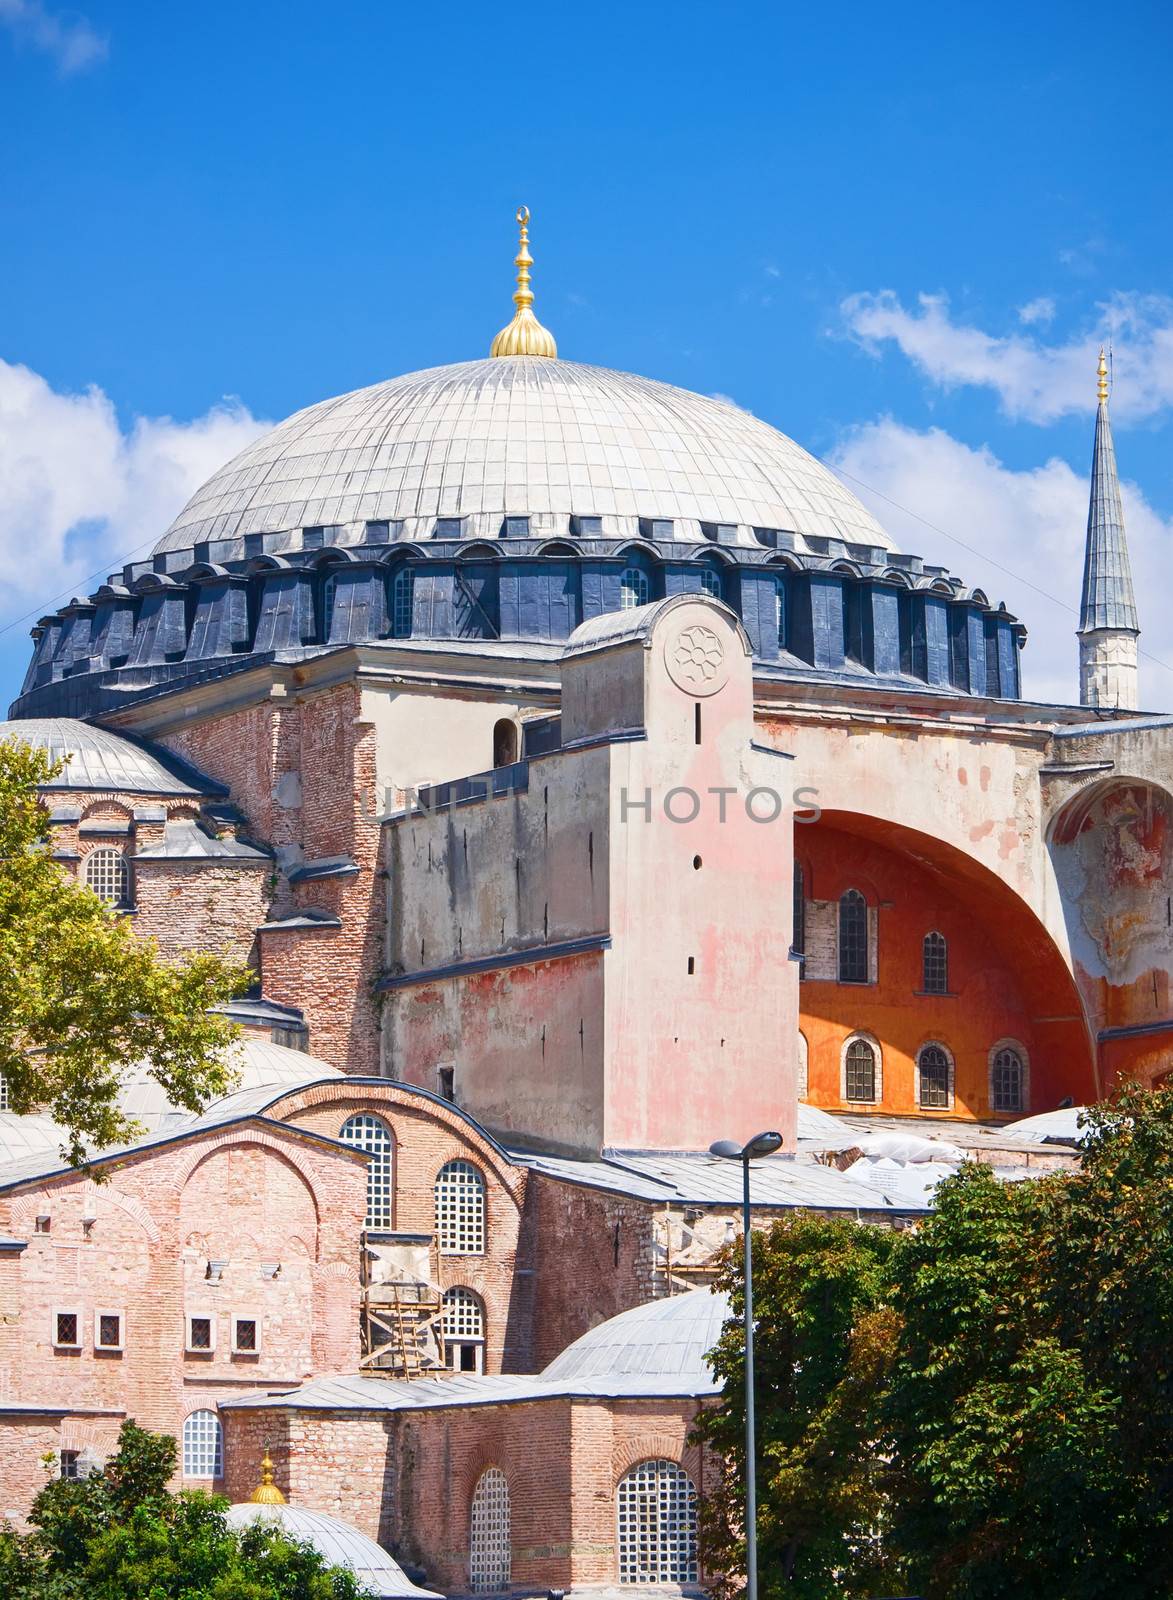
x: 1003, y: 985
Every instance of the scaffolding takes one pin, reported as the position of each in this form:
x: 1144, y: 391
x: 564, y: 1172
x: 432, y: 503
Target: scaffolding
x: 401, y: 1308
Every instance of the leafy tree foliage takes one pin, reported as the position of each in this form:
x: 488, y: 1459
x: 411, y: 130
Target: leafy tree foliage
x: 81, y: 995
x: 119, y: 1535
x: 1001, y: 1377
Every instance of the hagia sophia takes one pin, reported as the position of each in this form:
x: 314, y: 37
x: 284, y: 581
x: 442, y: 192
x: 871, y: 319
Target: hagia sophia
x: 585, y: 777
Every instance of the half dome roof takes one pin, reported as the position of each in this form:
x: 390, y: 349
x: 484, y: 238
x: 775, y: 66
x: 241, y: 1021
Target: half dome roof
x: 546, y: 439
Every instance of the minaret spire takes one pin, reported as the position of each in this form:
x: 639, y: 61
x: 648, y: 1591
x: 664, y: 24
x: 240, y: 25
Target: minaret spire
x: 524, y: 336
x: 1108, y: 625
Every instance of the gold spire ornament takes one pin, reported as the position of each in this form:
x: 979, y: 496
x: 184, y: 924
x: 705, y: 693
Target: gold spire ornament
x: 266, y: 1492
x: 524, y: 336
x: 1102, y: 379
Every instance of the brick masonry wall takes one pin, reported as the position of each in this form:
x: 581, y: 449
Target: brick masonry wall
x: 427, y: 1134
x: 139, y: 1244
x: 302, y: 768
x: 200, y: 907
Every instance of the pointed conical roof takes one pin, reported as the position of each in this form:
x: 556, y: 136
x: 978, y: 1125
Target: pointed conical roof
x: 1108, y: 598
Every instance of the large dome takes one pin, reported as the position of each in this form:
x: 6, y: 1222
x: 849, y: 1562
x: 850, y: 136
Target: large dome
x: 549, y: 440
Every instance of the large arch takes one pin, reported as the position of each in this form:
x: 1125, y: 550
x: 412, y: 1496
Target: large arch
x: 1007, y: 975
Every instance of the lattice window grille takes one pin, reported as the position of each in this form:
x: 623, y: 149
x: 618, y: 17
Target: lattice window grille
x: 933, y: 1064
x: 402, y: 604
x: 853, y: 938
x: 460, y: 1210
x: 936, y: 964
x: 860, y: 1071
x: 657, y: 1524
x: 364, y: 1132
x: 489, y: 1559
x: 780, y: 612
x: 711, y: 583
x: 1007, y: 1081
x: 463, y: 1316
x: 634, y: 589
x: 203, y: 1445
x: 108, y: 876
x: 5, y: 1099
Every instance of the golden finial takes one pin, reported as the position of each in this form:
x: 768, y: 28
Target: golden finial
x: 266, y: 1492
x: 1102, y: 378
x: 524, y: 336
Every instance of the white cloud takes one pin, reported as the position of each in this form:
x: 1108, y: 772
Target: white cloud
x: 78, y: 493
x: 728, y: 400
x: 1032, y: 380
x: 70, y: 39
x: 1026, y: 534
x: 1035, y: 311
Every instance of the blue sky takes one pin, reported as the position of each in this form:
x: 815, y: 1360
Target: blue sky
x: 896, y: 233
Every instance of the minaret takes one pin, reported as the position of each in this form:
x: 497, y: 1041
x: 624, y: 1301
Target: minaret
x: 1108, y: 626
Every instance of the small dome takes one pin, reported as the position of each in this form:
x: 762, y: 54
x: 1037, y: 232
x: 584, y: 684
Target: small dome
x: 34, y: 1135
x: 1065, y: 1126
x: 665, y: 1338
x: 522, y: 435
x: 338, y: 1543
x: 260, y: 1064
x: 102, y: 760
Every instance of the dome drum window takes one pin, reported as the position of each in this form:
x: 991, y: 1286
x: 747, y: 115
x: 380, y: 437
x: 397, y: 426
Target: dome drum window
x: 656, y: 1513
x: 460, y: 1210
x: 402, y: 603
x: 635, y: 589
x: 711, y: 583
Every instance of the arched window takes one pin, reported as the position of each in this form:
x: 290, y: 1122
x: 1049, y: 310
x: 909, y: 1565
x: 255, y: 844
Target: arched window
x: 329, y: 591
x: 460, y: 1210
x: 803, y: 1067
x: 364, y: 1132
x: 1007, y: 1080
x: 853, y: 937
x: 504, y: 742
x: 798, y: 928
x: 634, y: 589
x: 489, y: 1563
x: 203, y: 1445
x: 933, y: 1072
x: 859, y: 1072
x: 711, y: 583
x: 402, y: 603
x: 108, y: 875
x: 464, y: 1331
x: 657, y: 1524
x: 936, y: 964
x: 780, y: 611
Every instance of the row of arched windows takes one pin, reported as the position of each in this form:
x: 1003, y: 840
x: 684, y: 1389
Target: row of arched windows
x: 862, y: 1075
x: 655, y: 1527
x: 459, y: 1189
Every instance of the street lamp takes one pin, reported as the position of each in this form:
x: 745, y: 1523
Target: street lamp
x: 764, y: 1144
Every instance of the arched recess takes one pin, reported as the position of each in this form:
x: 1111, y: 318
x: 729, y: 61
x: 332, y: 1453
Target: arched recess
x: 1006, y: 973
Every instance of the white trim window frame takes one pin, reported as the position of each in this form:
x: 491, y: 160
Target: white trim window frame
x: 102, y: 1314
x: 77, y: 1342
x: 861, y: 1036
x: 1017, y: 1047
x: 190, y: 1346
x: 950, y: 1076
x: 246, y: 1350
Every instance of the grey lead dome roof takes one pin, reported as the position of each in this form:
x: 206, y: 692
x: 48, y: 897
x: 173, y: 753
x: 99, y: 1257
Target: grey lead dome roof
x: 339, y: 1543
x: 668, y: 1338
x: 98, y: 759
x: 520, y: 436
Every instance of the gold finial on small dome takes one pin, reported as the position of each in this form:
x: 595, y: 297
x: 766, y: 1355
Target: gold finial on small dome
x: 266, y: 1492
x: 524, y: 336
x: 1102, y: 378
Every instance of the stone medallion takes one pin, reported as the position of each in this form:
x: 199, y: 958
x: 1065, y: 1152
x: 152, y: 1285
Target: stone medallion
x: 696, y: 660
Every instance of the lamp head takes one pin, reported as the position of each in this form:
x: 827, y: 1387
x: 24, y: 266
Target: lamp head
x: 762, y: 1144
x: 728, y: 1149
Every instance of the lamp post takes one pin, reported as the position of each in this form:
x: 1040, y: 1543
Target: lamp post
x: 764, y: 1144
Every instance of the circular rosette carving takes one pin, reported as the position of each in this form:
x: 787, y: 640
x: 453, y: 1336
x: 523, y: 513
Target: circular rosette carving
x: 696, y: 660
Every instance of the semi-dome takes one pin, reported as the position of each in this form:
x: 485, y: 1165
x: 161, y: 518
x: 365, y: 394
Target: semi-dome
x: 260, y: 1065
x: 339, y: 1543
x: 96, y: 759
x: 529, y: 437
x: 667, y: 1339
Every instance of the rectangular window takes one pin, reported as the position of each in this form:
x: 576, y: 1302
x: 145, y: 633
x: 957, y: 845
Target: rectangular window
x: 246, y: 1336
x: 201, y: 1334
x: 67, y: 1330
x: 107, y: 1330
x: 70, y: 1464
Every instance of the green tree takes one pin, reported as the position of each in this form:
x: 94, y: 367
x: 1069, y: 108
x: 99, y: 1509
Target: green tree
x: 824, y: 1344
x: 81, y: 995
x: 119, y: 1535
